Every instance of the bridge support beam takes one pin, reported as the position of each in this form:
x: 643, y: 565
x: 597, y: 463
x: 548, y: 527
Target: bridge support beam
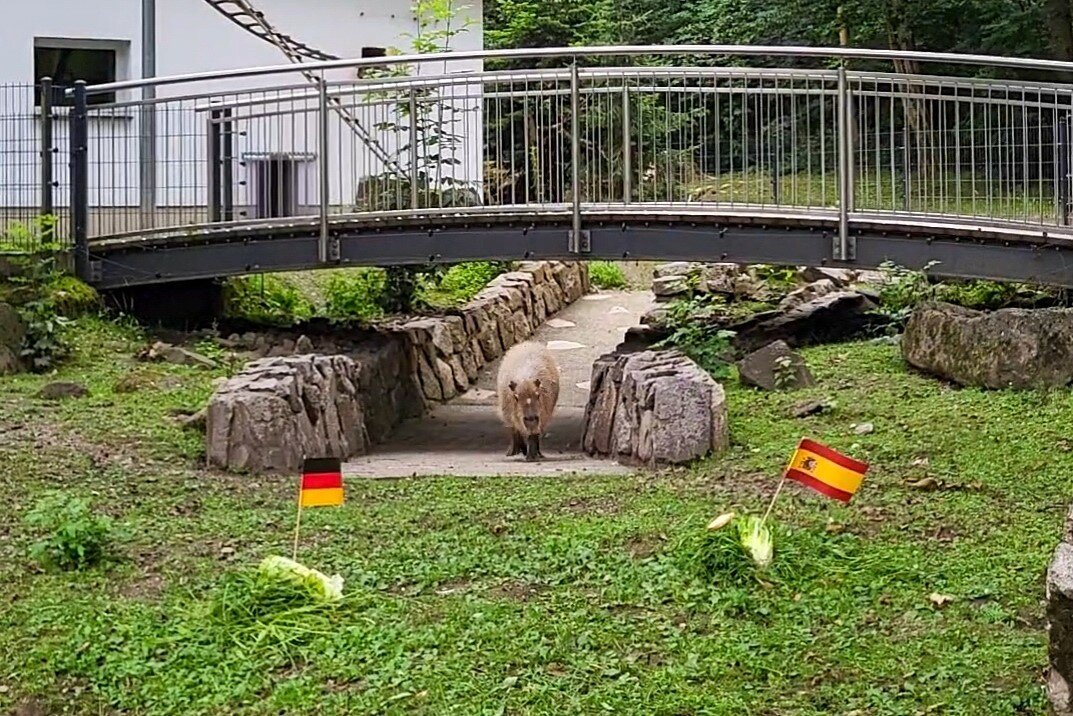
x: 968, y: 258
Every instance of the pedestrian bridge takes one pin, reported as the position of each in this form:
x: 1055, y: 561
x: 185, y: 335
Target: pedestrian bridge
x: 785, y: 155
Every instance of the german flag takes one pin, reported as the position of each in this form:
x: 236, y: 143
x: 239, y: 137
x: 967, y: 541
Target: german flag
x: 826, y: 471
x: 322, y: 482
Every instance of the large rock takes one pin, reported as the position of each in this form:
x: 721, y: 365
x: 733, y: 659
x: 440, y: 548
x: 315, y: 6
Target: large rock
x: 12, y: 333
x: 161, y: 351
x: 62, y: 390
x: 670, y: 286
x: 12, y: 329
x: 825, y: 319
x: 807, y: 293
x: 653, y: 407
x: 279, y: 411
x: 1060, y: 624
x: 775, y: 367
x: 1010, y: 348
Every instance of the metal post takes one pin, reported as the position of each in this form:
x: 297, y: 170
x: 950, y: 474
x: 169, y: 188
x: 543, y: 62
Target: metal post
x: 215, y: 166
x: 574, y: 244
x: 79, y: 139
x: 323, y: 254
x: 906, y: 180
x: 843, y: 248
x: 414, y: 175
x: 774, y: 148
x: 47, y: 150
x: 627, y: 156
x: 147, y: 118
x: 1062, y: 177
x: 227, y: 166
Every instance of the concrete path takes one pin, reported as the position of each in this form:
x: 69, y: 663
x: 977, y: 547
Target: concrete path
x: 464, y: 437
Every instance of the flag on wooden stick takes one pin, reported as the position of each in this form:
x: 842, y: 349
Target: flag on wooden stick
x: 322, y: 482
x: 826, y: 471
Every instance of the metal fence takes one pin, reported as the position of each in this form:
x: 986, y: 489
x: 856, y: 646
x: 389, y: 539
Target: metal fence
x: 599, y: 135
x: 34, y: 184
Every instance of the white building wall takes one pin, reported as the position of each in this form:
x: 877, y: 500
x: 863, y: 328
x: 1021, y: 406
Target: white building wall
x: 192, y: 37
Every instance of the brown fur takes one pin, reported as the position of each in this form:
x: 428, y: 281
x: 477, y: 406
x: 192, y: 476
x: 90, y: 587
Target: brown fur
x: 528, y: 389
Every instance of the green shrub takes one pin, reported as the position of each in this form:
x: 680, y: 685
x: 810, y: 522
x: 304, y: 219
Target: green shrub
x: 267, y: 299
x: 606, y: 274
x: 72, y: 297
x: 457, y: 284
x: 45, y: 344
x: 74, y: 537
x: 31, y: 237
x: 355, y: 294
x: 989, y: 295
x: 690, y: 323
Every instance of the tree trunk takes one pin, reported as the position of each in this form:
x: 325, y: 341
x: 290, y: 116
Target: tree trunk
x: 1059, y: 17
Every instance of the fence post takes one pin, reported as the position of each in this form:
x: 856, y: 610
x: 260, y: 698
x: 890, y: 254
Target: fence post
x: 215, y: 147
x: 578, y: 242
x: 627, y: 157
x: 1062, y: 177
x: 79, y: 150
x: 844, y: 248
x: 47, y: 150
x: 324, y: 252
x: 415, y: 176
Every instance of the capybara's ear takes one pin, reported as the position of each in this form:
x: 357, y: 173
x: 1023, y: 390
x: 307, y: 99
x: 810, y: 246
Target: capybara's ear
x: 537, y: 383
x: 513, y: 386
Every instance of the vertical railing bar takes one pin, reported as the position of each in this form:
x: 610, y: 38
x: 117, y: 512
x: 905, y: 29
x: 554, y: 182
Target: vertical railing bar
x: 214, y: 165
x: 627, y: 159
x: 47, y: 203
x: 79, y: 139
x: 844, y: 187
x: 575, y: 157
x: 414, y: 173
x: 324, y: 179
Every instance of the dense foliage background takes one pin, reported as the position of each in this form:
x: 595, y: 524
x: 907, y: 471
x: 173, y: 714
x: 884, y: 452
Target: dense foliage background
x: 1035, y: 28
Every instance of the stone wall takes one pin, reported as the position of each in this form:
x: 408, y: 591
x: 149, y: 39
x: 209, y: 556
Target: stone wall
x: 278, y: 411
x: 448, y: 351
x: 321, y: 393
x: 654, y: 407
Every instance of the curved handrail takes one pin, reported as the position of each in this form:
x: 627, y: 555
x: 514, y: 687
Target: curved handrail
x: 834, y: 53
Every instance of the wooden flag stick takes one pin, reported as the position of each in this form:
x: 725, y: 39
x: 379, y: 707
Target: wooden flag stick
x: 297, y: 521
x: 773, y: 498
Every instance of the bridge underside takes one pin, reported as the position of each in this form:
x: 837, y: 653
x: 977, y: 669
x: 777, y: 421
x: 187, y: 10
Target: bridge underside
x: 1017, y: 253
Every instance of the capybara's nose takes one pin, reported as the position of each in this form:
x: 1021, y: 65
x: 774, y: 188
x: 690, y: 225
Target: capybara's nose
x: 530, y: 420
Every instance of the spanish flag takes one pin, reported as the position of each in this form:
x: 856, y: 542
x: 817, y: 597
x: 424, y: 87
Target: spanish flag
x: 322, y: 482
x: 826, y: 471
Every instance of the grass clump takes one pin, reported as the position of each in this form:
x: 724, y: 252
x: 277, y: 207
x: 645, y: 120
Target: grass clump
x: 266, y: 608
x: 355, y: 294
x: 74, y: 537
x: 690, y: 322
x: 72, y: 297
x: 266, y: 299
x: 607, y: 274
x: 457, y: 284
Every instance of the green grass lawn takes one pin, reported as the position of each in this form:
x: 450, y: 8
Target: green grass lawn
x: 547, y: 596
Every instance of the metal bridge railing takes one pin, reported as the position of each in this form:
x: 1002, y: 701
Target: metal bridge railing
x: 444, y: 135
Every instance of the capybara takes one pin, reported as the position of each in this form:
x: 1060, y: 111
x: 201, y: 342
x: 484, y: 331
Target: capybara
x: 527, y: 388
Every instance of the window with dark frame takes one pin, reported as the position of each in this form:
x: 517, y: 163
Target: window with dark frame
x: 371, y: 52
x: 66, y: 65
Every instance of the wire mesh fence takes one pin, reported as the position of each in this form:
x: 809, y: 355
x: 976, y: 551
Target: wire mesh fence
x: 34, y: 184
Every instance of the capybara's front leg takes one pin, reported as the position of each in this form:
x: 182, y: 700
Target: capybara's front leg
x: 517, y: 444
x: 533, y: 450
